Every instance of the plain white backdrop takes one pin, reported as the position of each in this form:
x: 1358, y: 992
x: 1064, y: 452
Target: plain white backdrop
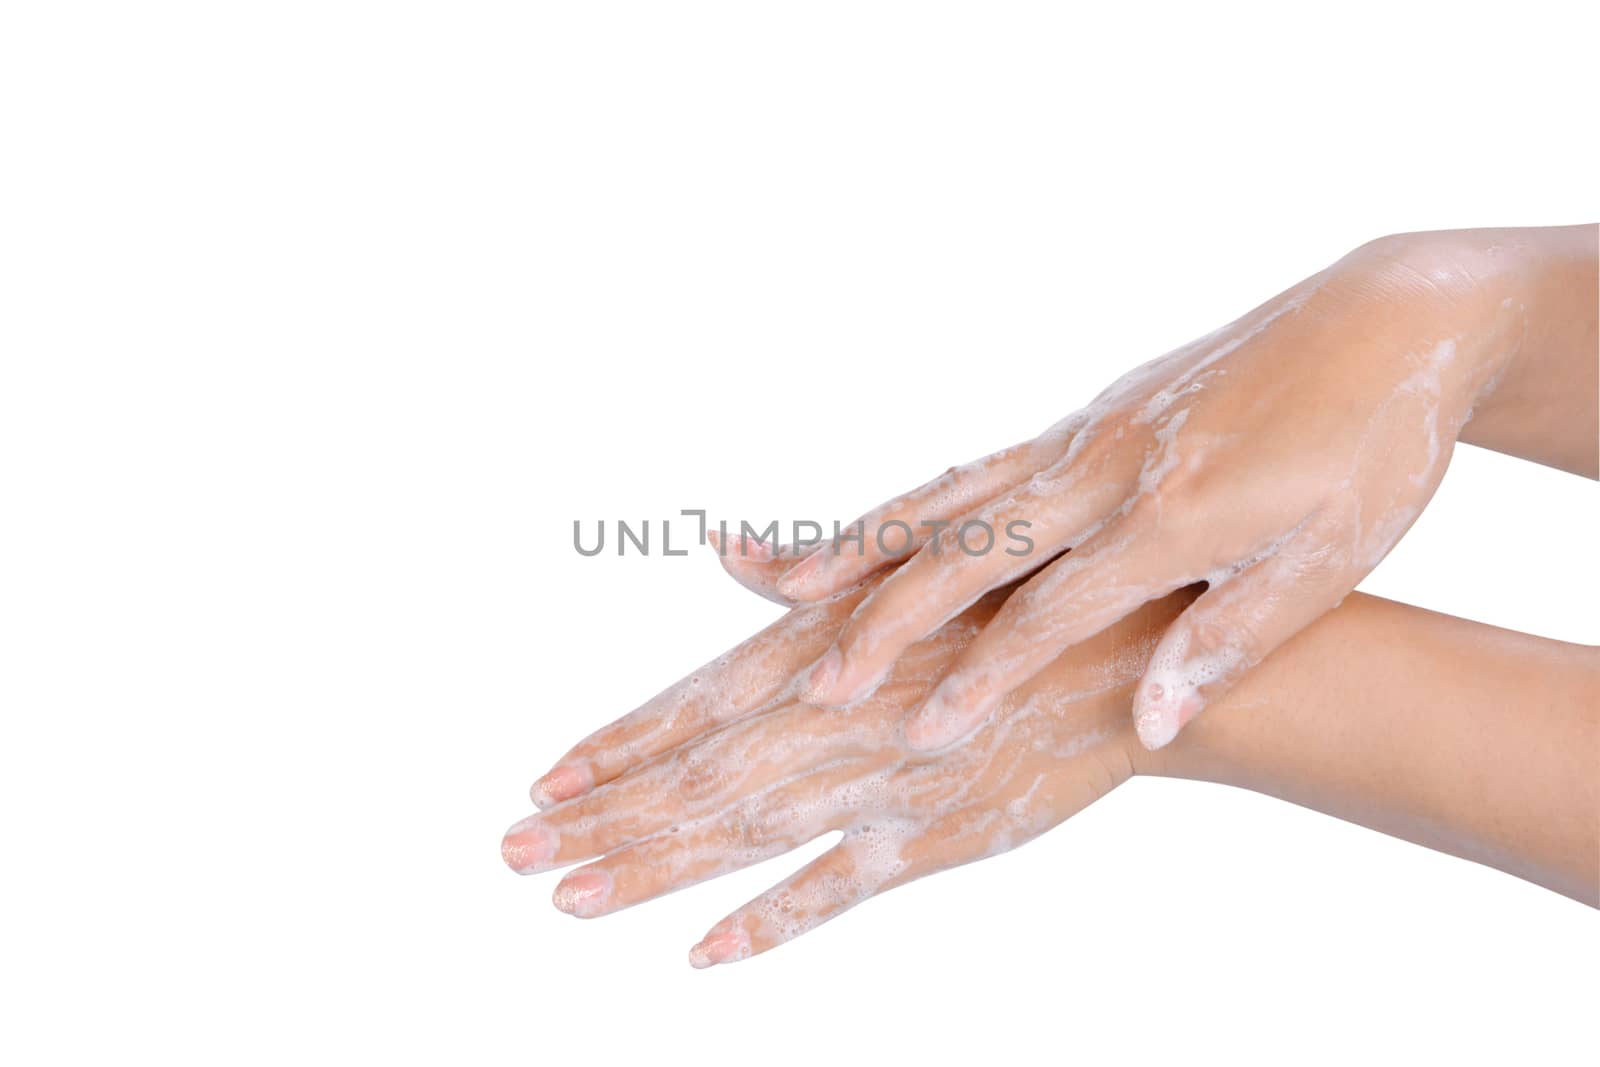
x: 321, y: 323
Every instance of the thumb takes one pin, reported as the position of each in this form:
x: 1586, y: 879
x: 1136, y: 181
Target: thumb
x: 1230, y: 628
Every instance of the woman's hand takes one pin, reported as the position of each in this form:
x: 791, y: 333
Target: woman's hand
x: 727, y: 769
x: 1278, y: 460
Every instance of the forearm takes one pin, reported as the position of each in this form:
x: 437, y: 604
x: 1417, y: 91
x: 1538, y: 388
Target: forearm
x: 1523, y: 305
x: 1472, y: 740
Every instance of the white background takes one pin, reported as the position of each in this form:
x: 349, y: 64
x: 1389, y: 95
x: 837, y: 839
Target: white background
x: 321, y: 322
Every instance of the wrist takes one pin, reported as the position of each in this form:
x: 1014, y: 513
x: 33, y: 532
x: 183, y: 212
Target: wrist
x: 1543, y: 403
x: 1518, y: 308
x: 1461, y: 295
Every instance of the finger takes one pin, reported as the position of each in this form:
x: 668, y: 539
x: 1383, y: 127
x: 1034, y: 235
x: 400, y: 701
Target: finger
x: 741, y: 682
x: 1232, y: 627
x: 894, y: 530
x: 871, y: 859
x: 755, y: 829
x: 756, y: 565
x: 677, y: 787
x: 612, y: 816
x: 1107, y: 577
x: 652, y: 868
x: 860, y: 866
x: 1059, y: 508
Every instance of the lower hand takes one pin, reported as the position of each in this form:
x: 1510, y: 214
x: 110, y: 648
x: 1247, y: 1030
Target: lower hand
x: 729, y: 768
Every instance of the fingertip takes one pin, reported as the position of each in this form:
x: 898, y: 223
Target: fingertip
x: 725, y: 947
x: 564, y: 782
x: 529, y: 846
x: 1155, y: 733
x: 837, y: 683
x: 583, y: 894
x: 818, y: 684
x: 1160, y: 712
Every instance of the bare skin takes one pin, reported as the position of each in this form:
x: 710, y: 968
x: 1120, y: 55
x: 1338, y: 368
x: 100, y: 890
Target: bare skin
x: 1462, y: 737
x: 1278, y: 460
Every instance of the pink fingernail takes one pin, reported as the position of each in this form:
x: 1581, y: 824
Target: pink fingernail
x: 720, y: 948
x: 530, y: 846
x: 563, y: 783
x: 584, y: 894
x: 1162, y: 712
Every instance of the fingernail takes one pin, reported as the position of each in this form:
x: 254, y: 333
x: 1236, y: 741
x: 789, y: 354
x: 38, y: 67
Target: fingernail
x: 562, y: 783
x: 584, y: 894
x: 720, y: 948
x: 1162, y: 712
x: 529, y: 846
x: 823, y: 676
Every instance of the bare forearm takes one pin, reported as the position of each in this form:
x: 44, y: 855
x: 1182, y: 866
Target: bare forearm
x: 1476, y: 741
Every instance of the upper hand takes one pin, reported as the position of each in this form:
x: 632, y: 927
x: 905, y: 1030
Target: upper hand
x: 1277, y: 459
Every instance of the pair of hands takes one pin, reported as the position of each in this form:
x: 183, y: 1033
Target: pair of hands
x: 1276, y: 461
